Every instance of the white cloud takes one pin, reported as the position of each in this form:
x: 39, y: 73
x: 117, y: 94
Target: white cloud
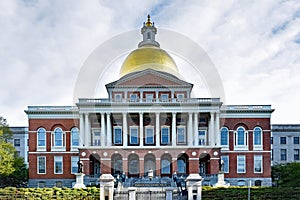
x: 252, y: 43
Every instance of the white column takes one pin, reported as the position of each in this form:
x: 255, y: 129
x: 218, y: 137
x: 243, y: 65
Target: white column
x: 141, y: 129
x: 157, y: 129
x: 156, y: 96
x: 141, y: 96
x: 174, y: 139
x: 103, y: 133
x: 195, y: 129
x: 211, y: 129
x: 190, y: 129
x: 87, y: 134
x: 81, y: 130
x: 217, y: 127
x: 125, y: 135
x: 108, y: 129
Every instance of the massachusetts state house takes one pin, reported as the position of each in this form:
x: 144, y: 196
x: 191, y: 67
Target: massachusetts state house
x: 149, y: 122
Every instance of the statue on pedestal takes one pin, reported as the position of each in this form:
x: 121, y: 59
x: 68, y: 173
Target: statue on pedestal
x: 221, y: 165
x: 80, y: 166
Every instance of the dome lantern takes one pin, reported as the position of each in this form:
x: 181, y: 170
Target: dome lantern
x: 148, y: 31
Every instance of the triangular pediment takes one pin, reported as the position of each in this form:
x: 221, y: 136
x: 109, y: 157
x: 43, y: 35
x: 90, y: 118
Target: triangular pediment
x: 149, y: 77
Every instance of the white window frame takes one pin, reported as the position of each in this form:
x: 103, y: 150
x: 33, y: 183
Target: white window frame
x: 96, y: 139
x: 130, y: 135
x: 184, y: 134
x: 161, y: 138
x: 258, y: 158
x: 236, y: 145
x: 152, y: 134
x: 74, y: 160
x: 38, y: 164
x: 298, y: 153
x: 118, y: 127
x: 224, y: 147
x: 133, y: 97
x: 241, y: 161
x: 63, y: 146
x: 180, y: 97
x: 41, y: 148
x: 149, y: 97
x: 118, y: 97
x: 260, y: 146
x: 202, y: 137
x: 74, y: 147
x: 58, y: 159
x: 226, y: 164
x: 284, y: 154
x: 164, y: 97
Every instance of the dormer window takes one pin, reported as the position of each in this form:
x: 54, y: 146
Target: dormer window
x: 133, y: 97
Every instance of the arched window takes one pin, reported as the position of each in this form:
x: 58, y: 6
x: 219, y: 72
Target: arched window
x: 224, y: 136
x: 257, y: 134
x: 117, y: 164
x: 133, y: 165
x: 41, y: 137
x: 241, y: 136
x: 75, y: 136
x: 58, y: 137
x: 166, y: 164
x: 182, y: 164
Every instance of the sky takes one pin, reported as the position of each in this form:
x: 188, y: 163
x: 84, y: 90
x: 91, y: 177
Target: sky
x: 254, y: 45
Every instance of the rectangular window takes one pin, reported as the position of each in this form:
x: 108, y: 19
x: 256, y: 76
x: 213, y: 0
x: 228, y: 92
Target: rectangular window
x: 282, y: 140
x: 181, y: 135
x: 96, y: 137
x: 296, y: 154
x: 134, y: 135
x: 258, y: 164
x: 165, y: 135
x: 271, y: 140
x: 133, y: 97
x: 149, y: 97
x: 226, y: 164
x: 296, y: 140
x: 74, y: 165
x: 17, y: 142
x: 282, y: 154
x: 149, y: 135
x: 164, y: 97
x: 41, y: 162
x: 58, y: 165
x: 201, y: 137
x: 118, y: 97
x: 117, y: 135
x: 241, y: 164
x: 180, y: 97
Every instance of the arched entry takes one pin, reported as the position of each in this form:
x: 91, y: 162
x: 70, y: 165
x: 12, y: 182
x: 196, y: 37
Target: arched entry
x: 116, y: 164
x: 133, y: 165
x: 166, y: 165
x: 182, y: 164
x: 204, y: 163
x: 95, y: 165
x: 149, y: 164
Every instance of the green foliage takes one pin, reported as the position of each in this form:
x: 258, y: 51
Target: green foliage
x: 6, y: 132
x: 7, y: 152
x: 286, y: 175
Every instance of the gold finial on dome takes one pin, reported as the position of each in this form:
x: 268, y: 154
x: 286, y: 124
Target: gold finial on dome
x: 148, y: 23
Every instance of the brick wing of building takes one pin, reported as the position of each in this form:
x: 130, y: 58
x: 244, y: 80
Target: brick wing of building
x: 149, y: 122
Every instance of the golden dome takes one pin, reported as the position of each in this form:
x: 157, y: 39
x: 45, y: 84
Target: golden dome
x: 148, y: 56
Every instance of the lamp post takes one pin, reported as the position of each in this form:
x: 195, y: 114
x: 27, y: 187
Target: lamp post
x: 150, y: 174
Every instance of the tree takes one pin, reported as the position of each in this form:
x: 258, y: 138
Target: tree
x: 13, y: 170
x: 286, y: 175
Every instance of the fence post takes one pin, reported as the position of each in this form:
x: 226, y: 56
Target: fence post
x: 169, y: 193
x: 131, y: 191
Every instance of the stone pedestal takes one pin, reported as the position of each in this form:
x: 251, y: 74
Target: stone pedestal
x: 106, y: 186
x: 221, y: 182
x: 194, y: 182
x: 169, y: 193
x: 79, y: 181
x: 131, y: 191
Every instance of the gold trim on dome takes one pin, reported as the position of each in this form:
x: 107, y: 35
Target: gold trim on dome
x: 148, y: 56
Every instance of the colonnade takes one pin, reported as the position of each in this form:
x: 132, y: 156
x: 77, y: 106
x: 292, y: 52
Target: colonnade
x: 212, y: 134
